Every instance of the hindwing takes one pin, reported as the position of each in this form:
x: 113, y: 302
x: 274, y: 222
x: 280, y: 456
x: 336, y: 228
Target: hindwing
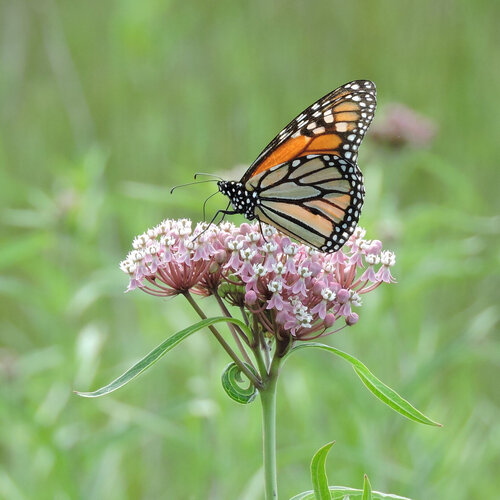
x: 316, y: 199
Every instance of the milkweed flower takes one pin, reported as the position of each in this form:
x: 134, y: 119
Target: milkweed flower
x: 401, y: 126
x: 289, y: 288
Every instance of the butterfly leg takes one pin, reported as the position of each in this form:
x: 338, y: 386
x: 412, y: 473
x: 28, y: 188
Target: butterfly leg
x: 223, y: 212
x: 261, y: 231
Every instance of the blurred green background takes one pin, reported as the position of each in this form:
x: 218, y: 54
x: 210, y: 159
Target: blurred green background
x: 105, y: 106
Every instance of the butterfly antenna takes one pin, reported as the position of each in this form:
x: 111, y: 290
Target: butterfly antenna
x: 190, y: 184
x: 209, y: 175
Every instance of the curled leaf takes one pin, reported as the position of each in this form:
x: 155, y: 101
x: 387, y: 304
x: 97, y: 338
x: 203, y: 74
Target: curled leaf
x: 232, y: 381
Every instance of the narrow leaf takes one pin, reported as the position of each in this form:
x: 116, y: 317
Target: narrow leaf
x: 318, y: 472
x: 377, y: 387
x: 155, y: 355
x: 232, y: 380
x: 367, y: 489
x: 392, y: 398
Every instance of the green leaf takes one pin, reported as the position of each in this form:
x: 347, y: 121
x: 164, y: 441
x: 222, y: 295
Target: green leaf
x: 318, y: 472
x: 324, y: 492
x: 340, y: 492
x: 231, y: 380
x: 155, y: 355
x: 367, y: 489
x: 378, y: 388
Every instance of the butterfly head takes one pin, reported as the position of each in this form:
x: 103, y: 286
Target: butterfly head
x: 242, y: 200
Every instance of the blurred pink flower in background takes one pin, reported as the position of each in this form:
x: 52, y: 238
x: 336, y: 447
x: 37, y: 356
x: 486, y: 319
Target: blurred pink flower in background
x: 399, y: 125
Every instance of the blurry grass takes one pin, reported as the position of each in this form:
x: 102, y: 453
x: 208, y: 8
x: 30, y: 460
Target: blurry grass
x: 105, y: 106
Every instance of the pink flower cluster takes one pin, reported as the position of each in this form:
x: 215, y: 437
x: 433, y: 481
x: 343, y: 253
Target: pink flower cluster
x: 288, y: 287
x: 402, y: 126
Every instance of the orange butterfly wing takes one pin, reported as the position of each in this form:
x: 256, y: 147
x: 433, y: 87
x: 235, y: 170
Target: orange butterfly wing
x: 335, y: 124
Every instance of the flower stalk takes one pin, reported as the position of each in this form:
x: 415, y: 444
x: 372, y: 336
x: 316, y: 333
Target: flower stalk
x: 253, y: 379
x: 268, y: 401
x: 235, y: 330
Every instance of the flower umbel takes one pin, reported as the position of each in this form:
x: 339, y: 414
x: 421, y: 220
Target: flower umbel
x: 287, y: 288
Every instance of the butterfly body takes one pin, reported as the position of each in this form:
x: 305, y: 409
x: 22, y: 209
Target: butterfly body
x: 242, y: 200
x: 306, y: 182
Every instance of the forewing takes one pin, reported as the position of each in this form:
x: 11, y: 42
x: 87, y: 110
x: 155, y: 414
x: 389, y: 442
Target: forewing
x: 316, y: 199
x: 333, y: 125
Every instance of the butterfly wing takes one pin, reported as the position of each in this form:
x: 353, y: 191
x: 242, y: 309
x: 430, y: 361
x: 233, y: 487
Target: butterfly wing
x: 335, y: 125
x: 316, y: 199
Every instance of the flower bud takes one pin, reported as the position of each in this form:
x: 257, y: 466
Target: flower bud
x: 343, y: 296
x: 375, y: 247
x: 281, y: 317
x: 352, y: 319
x: 317, y: 288
x: 220, y: 257
x: 245, y: 228
x: 250, y: 297
x: 329, y: 320
x: 315, y: 268
x: 214, y: 267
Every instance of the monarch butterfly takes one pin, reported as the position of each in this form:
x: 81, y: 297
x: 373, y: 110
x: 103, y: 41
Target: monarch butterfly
x: 306, y: 182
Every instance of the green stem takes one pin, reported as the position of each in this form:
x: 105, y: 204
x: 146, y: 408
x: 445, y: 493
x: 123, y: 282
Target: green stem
x: 255, y: 381
x: 268, y: 400
x: 257, y: 352
x: 234, y: 330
